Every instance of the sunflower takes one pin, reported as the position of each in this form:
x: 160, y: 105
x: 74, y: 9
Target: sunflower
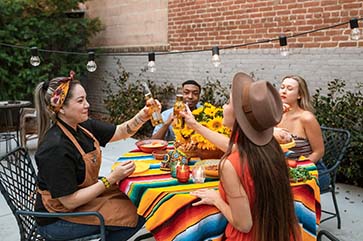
x: 215, y: 124
x: 209, y: 116
x: 210, y: 111
x: 186, y: 132
x: 197, y: 111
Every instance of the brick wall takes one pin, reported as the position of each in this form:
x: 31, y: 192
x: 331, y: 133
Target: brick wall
x: 317, y: 65
x: 198, y: 24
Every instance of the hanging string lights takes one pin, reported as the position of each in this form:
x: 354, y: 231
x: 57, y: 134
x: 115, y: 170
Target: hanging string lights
x: 34, y: 59
x: 284, y: 50
x: 91, y: 64
x: 216, y: 58
x: 151, y: 64
x: 355, y: 34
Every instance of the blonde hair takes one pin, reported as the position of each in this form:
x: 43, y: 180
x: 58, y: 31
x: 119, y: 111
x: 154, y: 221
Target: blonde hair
x: 42, y: 95
x: 305, y: 100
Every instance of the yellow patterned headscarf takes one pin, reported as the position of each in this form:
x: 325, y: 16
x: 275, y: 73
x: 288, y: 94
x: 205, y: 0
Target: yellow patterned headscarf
x: 59, y: 95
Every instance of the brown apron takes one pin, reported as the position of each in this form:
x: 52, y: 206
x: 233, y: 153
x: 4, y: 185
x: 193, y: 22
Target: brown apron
x: 116, y: 208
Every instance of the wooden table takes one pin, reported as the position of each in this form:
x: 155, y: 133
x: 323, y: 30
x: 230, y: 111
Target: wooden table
x: 167, y: 205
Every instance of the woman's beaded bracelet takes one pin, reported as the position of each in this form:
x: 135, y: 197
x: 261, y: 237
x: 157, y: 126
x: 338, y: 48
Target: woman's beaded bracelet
x: 106, y: 182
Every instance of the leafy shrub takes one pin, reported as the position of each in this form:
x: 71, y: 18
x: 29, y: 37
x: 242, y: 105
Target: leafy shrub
x: 44, y: 24
x: 124, y: 98
x: 344, y: 109
x: 213, y: 92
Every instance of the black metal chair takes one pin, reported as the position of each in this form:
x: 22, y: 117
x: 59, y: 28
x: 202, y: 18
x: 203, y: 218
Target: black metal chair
x: 143, y: 236
x: 18, y: 185
x: 327, y: 234
x: 28, y: 126
x: 8, y: 129
x: 336, y: 142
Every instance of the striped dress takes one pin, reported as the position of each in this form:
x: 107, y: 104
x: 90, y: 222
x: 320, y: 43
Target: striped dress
x: 302, y: 147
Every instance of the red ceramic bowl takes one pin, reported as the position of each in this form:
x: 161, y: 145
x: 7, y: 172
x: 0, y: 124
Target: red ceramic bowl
x: 151, y: 145
x: 159, y: 155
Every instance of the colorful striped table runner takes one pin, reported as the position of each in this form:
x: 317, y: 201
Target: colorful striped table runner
x: 167, y: 205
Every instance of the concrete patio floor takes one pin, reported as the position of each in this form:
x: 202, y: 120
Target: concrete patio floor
x: 350, y: 201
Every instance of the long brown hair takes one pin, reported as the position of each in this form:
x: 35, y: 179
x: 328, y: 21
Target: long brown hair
x: 273, y: 213
x: 42, y: 94
x: 305, y: 101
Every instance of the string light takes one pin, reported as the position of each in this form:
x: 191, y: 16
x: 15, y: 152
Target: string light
x: 355, y: 34
x: 34, y: 59
x: 151, y: 65
x: 284, y: 50
x: 216, y: 60
x: 91, y: 64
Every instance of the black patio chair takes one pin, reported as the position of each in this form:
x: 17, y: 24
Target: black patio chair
x: 17, y: 185
x: 336, y: 142
x: 327, y: 234
x: 28, y: 126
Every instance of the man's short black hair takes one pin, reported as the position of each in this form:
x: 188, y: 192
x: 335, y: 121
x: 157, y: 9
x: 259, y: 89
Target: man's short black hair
x: 192, y: 82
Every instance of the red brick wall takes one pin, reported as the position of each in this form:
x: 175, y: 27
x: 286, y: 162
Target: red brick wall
x: 201, y: 24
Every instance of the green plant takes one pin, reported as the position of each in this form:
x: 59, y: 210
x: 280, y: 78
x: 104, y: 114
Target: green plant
x: 340, y: 108
x: 44, y: 24
x: 213, y: 92
x: 123, y: 99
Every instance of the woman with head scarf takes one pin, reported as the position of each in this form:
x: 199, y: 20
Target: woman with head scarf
x: 69, y: 158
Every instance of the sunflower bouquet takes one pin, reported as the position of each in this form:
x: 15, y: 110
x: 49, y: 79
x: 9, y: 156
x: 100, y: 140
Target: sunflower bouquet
x: 209, y: 116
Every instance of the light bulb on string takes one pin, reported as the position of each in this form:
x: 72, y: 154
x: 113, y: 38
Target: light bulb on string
x: 284, y: 50
x: 216, y: 60
x: 151, y: 64
x: 91, y: 64
x: 355, y: 34
x: 34, y: 59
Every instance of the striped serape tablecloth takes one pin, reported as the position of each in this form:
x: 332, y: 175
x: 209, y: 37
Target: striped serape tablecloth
x: 307, y: 202
x: 167, y: 205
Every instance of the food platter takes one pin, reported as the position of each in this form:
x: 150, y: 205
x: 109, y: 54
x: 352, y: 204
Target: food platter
x: 288, y: 145
x: 302, y: 159
x: 151, y: 145
x: 140, y: 166
x: 210, y: 167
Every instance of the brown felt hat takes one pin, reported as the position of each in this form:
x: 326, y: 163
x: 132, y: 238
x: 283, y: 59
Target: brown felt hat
x: 257, y: 106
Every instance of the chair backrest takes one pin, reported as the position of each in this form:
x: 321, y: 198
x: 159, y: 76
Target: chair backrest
x: 18, y: 184
x: 336, y: 142
x: 9, y: 120
x: 28, y: 125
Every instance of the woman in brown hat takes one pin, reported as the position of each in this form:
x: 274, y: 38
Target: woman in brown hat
x: 68, y: 160
x: 254, y: 191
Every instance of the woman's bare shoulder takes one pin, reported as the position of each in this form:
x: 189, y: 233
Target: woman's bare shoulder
x: 307, y: 116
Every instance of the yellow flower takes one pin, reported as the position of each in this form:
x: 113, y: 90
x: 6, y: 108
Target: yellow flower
x: 186, y: 132
x: 197, y: 111
x: 215, y: 124
x: 209, y: 116
x: 210, y: 112
x: 206, y: 104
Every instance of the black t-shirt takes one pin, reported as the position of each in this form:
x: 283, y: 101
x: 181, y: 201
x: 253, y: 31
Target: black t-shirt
x: 60, y: 165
